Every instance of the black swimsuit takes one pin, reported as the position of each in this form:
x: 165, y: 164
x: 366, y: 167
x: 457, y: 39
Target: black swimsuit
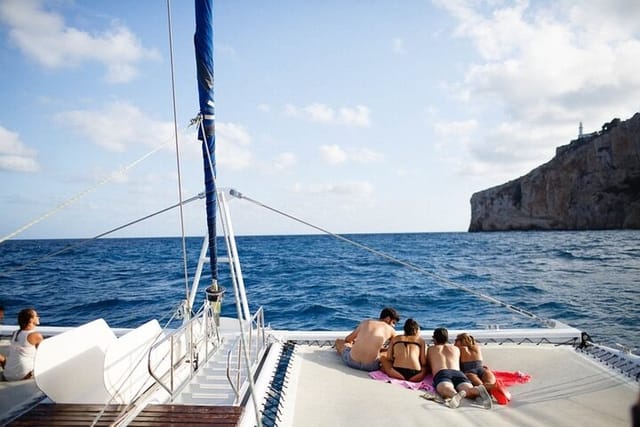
x: 406, y: 372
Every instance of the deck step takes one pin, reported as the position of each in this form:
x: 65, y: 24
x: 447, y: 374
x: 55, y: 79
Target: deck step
x: 55, y: 415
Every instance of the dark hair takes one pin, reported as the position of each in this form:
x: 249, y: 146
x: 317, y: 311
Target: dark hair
x: 25, y: 316
x: 411, y: 327
x: 441, y: 335
x: 389, y: 312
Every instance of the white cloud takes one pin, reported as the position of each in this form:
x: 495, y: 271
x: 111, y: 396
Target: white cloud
x: 43, y: 36
x: 14, y: 154
x: 459, y: 129
x: 357, y: 116
x: 333, y: 154
x: 116, y: 126
x: 319, y: 113
x: 285, y: 161
x: 366, y: 155
x: 349, y: 189
x: 232, y: 146
x: 398, y: 46
x: 544, y: 67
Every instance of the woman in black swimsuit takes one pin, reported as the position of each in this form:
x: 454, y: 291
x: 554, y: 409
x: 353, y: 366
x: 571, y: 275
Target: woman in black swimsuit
x: 406, y: 357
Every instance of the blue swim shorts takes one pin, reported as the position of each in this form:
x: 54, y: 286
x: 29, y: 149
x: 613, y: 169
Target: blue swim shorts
x: 450, y: 375
x: 346, y: 356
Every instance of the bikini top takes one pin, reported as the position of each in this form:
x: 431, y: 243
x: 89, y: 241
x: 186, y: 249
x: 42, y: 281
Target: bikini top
x: 405, y: 343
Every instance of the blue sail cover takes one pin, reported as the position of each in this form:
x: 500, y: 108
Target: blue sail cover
x: 203, y: 41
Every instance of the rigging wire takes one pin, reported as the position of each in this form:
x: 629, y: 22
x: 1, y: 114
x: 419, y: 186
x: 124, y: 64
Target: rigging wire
x: 393, y: 259
x: 85, y: 241
x: 175, y: 130
x: 83, y: 193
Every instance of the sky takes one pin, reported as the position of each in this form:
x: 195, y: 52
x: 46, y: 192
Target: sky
x: 355, y: 116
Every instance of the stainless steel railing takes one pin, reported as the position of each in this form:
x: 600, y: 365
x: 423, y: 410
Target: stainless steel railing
x: 255, y: 343
x: 193, y: 342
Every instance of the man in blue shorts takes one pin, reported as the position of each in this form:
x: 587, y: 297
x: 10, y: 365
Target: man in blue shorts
x: 361, y: 348
x: 448, y: 380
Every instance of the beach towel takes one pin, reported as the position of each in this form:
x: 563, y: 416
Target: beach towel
x: 504, y: 379
x: 425, y: 384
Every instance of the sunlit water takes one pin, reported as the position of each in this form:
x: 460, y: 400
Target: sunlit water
x: 586, y: 279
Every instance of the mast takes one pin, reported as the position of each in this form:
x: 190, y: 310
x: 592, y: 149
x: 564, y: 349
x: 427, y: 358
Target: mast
x: 203, y: 41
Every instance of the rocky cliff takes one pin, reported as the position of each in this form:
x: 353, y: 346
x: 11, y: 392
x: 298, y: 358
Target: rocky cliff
x: 592, y: 183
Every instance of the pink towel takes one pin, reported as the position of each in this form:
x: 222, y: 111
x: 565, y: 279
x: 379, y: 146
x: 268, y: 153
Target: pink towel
x: 506, y: 378
x: 425, y: 384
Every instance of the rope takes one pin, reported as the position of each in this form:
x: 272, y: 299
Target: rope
x: 407, y: 264
x: 84, y: 242
x: 80, y: 195
x: 175, y: 131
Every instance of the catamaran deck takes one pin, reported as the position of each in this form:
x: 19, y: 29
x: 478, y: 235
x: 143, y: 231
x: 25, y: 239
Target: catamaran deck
x: 308, y: 385
x: 566, y: 389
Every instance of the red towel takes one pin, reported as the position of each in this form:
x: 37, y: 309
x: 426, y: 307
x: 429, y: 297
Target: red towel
x: 505, y: 379
x: 511, y: 378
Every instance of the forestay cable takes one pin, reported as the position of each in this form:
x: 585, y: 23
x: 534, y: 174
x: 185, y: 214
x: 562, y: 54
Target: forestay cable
x: 85, y: 241
x: 81, y: 194
x: 407, y: 264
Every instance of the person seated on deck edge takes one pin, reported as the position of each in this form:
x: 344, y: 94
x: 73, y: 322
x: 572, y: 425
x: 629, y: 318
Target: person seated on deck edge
x: 406, y: 357
x: 448, y: 380
x: 361, y: 348
x: 22, y: 351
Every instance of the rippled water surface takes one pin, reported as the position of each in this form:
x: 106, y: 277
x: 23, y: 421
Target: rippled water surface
x: 586, y: 279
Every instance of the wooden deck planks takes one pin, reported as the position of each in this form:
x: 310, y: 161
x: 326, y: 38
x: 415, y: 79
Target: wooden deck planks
x: 153, y: 415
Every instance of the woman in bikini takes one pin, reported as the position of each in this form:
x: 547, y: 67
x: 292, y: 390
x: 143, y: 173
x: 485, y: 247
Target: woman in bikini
x: 406, y: 358
x: 471, y: 361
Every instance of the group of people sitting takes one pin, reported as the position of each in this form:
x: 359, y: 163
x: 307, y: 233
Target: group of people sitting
x: 458, y: 369
x: 18, y: 363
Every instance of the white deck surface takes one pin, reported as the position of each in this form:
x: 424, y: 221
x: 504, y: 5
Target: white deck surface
x: 566, y: 389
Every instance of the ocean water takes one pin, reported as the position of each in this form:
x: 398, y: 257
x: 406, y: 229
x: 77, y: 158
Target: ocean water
x: 587, y: 279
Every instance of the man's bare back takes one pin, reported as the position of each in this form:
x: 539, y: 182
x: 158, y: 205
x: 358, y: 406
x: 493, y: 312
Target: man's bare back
x: 369, y: 338
x: 366, y: 341
x: 443, y: 356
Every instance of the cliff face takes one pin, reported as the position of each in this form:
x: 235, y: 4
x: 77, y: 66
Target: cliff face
x: 592, y: 183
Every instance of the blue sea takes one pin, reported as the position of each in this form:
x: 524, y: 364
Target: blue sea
x: 587, y: 279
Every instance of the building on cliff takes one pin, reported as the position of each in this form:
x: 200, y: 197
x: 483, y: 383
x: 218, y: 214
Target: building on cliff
x: 591, y: 183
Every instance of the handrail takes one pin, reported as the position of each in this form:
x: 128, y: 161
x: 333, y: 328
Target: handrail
x: 256, y: 344
x: 184, y: 344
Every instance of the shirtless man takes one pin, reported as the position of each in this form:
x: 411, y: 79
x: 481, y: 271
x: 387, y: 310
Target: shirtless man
x: 448, y: 380
x: 361, y: 348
